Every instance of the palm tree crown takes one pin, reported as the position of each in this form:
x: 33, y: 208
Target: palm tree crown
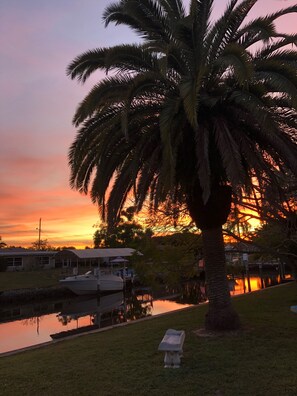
x: 193, y: 105
x: 197, y: 108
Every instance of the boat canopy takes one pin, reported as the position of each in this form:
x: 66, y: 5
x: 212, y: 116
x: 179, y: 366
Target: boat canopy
x: 97, y: 253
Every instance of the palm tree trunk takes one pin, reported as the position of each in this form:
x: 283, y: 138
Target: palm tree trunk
x: 210, y: 217
x: 221, y: 315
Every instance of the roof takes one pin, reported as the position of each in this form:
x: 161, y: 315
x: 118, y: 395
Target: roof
x: 24, y: 253
x: 79, y: 253
x: 98, y: 253
x: 241, y: 247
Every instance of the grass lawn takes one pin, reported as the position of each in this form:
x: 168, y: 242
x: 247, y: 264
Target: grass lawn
x: 260, y: 360
x: 29, y: 279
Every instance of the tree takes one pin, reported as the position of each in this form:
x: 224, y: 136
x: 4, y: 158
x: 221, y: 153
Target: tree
x: 196, y: 114
x: 41, y: 244
x: 277, y: 238
x: 126, y: 233
x: 2, y: 244
x: 66, y: 248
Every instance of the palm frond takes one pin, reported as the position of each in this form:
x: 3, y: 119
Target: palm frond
x: 237, y: 61
x: 226, y: 27
x: 270, y: 48
x: 130, y: 58
x: 278, y: 77
x: 229, y: 152
x: 200, y: 12
x: 203, y: 161
x: 260, y: 29
x: 110, y: 90
x: 285, y: 57
x: 145, y: 17
x: 85, y: 64
x: 282, y: 12
x: 173, y: 8
x: 189, y: 89
x: 171, y: 108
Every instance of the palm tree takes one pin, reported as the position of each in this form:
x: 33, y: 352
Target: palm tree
x: 195, y: 113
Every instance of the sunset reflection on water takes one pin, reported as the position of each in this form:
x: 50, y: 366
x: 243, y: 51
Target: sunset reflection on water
x: 253, y: 283
x: 17, y: 333
x: 37, y: 330
x: 28, y: 332
x: 163, y: 306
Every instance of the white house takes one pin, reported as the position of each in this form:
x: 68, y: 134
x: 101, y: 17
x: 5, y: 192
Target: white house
x: 92, y: 257
x: 21, y: 259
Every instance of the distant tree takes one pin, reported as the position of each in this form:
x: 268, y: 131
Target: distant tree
x: 272, y: 201
x: 127, y: 232
x: 189, y: 241
x: 2, y: 244
x: 41, y: 245
x: 272, y: 204
x: 278, y: 239
x: 3, y: 262
x: 66, y: 248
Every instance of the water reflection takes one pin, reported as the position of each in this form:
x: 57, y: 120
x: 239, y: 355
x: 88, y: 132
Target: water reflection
x: 27, y: 325
x: 103, y: 311
x: 31, y: 324
x: 245, y: 284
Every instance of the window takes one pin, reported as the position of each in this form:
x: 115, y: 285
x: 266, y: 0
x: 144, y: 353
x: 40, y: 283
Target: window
x: 43, y: 260
x: 15, y: 261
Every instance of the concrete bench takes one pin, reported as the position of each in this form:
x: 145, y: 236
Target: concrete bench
x: 172, y: 344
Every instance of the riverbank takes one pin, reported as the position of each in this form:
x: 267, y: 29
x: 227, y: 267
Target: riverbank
x: 33, y: 294
x: 259, y: 360
x: 16, y: 280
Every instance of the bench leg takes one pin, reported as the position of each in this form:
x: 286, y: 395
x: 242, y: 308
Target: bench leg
x: 176, y: 360
x: 168, y: 359
x: 172, y: 359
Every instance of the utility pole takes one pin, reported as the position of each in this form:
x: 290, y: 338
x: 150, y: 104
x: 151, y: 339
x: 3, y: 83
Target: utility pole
x: 39, y: 234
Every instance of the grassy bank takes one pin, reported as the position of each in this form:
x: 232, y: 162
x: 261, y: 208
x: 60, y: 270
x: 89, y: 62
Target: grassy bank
x: 260, y: 360
x: 29, y: 279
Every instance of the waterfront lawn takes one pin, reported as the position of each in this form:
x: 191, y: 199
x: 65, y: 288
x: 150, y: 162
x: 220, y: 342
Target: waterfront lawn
x: 29, y: 279
x: 260, y: 360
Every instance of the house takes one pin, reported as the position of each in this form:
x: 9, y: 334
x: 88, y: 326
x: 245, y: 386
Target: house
x: 91, y: 257
x: 22, y: 259
x: 240, y: 253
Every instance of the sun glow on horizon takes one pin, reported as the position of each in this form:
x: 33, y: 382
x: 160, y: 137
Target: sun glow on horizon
x: 72, y: 226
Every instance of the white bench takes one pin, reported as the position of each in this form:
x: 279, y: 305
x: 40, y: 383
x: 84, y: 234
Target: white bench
x: 172, y: 344
x: 293, y: 308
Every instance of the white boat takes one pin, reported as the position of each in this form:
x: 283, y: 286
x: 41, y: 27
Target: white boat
x: 91, y: 283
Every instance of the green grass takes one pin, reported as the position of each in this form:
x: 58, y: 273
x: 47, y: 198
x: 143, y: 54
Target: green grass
x: 29, y: 279
x: 260, y: 360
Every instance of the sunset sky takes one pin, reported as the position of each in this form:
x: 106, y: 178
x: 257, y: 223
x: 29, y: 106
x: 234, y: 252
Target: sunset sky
x: 38, y: 39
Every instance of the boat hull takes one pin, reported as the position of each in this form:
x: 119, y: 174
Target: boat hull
x: 110, y: 283
x: 90, y: 284
x: 81, y: 286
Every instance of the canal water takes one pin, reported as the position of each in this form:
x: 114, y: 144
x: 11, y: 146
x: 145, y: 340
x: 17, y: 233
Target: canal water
x: 32, y: 324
